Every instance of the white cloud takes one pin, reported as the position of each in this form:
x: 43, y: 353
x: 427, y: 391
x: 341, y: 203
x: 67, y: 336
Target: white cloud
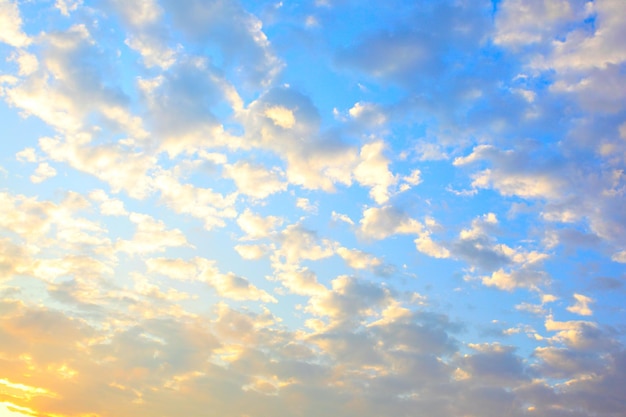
x: 380, y: 223
x: 28, y: 63
x: 238, y: 288
x: 341, y: 217
x: 108, y: 206
x: 281, y: 116
x: 519, y: 278
x: 67, y: 6
x: 357, y: 259
x: 512, y: 175
x: 227, y: 285
x: 43, y: 172
x: 297, y: 243
x: 619, y: 257
x: 414, y: 178
x: 369, y: 114
x: 520, y: 23
x: 257, y: 227
x: 153, y: 52
x: 430, y: 152
x: 121, y: 168
x: 255, y: 181
x: 26, y: 155
x: 151, y: 236
x: 142, y: 12
x: 579, y: 335
x: 238, y: 35
x: 584, y: 50
x: 183, y: 118
x: 306, y: 205
x: 426, y: 245
x: 373, y: 171
x: 204, y: 139
x: 11, y: 25
x: 581, y: 306
x: 202, y: 203
x: 298, y: 280
x: 252, y: 252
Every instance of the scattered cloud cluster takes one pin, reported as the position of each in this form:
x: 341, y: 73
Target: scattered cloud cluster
x: 312, y: 208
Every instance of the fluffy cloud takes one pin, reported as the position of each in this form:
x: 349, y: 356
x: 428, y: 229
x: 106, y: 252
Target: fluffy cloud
x: 380, y: 223
x: 581, y: 306
x: 256, y: 226
x: 228, y: 285
x: 255, y: 180
x: 43, y: 172
x: 238, y: 35
x: 11, y: 23
x: 151, y: 236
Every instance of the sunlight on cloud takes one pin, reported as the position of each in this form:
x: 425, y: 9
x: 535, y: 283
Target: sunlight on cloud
x: 312, y: 208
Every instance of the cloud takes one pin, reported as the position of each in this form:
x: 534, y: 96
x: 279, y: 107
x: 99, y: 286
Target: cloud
x: 494, y: 364
x: 108, y: 206
x: 182, y: 104
x: 584, y: 336
x: 152, y: 51
x: 581, y: 306
x: 151, y: 236
x: 67, y: 6
x: 348, y: 298
x: 510, y: 268
x: 512, y: 175
x: 142, y: 13
x: 14, y: 259
x: 238, y: 35
x: 520, y: 24
x: 281, y: 116
x: 11, y: 24
x: 373, y: 171
x: 521, y: 278
x: 202, y: 203
x: 252, y: 252
x: 370, y: 114
x: 619, y: 257
x: 118, y: 166
x: 171, y: 273
x: 357, y: 259
x: 313, y: 160
x: 298, y: 280
x: 43, y: 172
x: 600, y: 47
x: 306, y: 205
x: 566, y: 364
x: 416, y: 48
x: 429, y: 247
x: 26, y: 155
x: 257, y: 227
x: 380, y: 223
x: 255, y: 180
x: 228, y: 285
x: 342, y: 217
x: 298, y: 243
x: 27, y: 63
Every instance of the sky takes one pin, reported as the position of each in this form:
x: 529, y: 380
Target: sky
x: 312, y: 208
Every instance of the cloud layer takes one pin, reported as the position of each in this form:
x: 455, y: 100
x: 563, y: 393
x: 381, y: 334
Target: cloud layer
x: 322, y: 208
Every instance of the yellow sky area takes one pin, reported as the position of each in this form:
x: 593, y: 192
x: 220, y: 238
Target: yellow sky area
x: 19, y: 392
x: 8, y: 409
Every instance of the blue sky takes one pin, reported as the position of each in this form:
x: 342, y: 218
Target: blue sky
x: 304, y: 208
